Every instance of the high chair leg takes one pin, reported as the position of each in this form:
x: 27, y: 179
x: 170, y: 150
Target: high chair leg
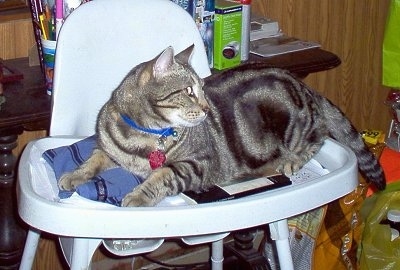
x: 31, y: 244
x: 280, y: 234
x: 79, y: 251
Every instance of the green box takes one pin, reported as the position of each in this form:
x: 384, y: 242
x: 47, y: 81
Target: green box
x: 227, y: 33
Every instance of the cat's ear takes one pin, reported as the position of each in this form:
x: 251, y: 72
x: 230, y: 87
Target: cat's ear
x: 157, y: 66
x: 163, y: 62
x: 184, y: 56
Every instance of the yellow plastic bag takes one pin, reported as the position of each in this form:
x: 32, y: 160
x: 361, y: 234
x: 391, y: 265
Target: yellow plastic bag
x: 340, y: 235
x: 377, y: 251
x: 391, y: 47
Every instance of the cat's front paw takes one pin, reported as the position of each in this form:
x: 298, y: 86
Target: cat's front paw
x: 135, y: 199
x: 288, y: 169
x: 70, y: 181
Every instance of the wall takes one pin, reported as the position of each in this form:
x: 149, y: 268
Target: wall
x: 352, y: 29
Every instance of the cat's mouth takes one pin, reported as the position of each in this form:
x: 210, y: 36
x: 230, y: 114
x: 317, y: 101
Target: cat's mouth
x: 190, y: 118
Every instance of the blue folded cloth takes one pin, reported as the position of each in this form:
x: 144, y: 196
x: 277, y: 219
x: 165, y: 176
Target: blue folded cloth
x: 109, y: 186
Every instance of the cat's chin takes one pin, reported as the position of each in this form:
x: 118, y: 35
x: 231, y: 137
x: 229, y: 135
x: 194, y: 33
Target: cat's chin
x: 192, y: 124
x: 189, y: 123
x: 184, y: 122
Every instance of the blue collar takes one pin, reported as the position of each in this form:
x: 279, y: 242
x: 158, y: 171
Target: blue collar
x: 165, y: 132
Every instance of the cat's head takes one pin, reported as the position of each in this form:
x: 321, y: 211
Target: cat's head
x: 163, y: 92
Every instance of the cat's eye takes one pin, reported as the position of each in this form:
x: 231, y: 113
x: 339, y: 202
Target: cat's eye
x: 189, y: 91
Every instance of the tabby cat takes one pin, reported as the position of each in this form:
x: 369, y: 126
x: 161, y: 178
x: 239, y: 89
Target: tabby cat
x: 179, y: 132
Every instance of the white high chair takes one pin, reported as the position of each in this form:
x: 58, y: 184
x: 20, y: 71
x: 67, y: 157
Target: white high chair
x: 98, y: 44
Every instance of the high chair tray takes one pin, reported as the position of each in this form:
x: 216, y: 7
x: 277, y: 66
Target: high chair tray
x: 40, y: 207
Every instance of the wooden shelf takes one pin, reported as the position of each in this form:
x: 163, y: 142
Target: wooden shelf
x: 14, y: 14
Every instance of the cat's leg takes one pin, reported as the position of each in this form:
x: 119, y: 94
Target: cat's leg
x: 161, y: 183
x: 292, y: 161
x: 96, y: 163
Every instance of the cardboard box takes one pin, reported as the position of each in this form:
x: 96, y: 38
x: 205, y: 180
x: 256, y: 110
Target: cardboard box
x: 227, y: 34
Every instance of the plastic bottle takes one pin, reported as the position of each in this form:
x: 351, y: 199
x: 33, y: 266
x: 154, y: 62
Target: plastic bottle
x: 393, y: 220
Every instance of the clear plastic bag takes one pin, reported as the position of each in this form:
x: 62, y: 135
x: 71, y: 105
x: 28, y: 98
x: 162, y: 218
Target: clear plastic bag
x: 377, y: 250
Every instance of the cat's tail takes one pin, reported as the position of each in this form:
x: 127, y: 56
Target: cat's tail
x: 343, y: 131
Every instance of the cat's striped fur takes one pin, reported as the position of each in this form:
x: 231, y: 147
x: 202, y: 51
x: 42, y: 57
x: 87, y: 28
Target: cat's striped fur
x: 238, y: 123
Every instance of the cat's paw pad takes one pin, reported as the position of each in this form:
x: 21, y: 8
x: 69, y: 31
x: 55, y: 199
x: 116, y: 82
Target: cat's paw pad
x: 70, y: 181
x: 135, y: 199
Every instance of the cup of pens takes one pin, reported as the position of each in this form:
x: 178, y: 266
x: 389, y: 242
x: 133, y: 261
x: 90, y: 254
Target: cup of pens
x: 49, y: 52
x: 48, y: 17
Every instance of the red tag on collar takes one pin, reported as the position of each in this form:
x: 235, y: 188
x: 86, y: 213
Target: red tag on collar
x: 157, y: 159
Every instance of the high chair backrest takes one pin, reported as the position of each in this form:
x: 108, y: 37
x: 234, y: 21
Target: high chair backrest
x: 100, y: 42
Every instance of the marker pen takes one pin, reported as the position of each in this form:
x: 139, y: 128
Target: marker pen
x: 59, y: 16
